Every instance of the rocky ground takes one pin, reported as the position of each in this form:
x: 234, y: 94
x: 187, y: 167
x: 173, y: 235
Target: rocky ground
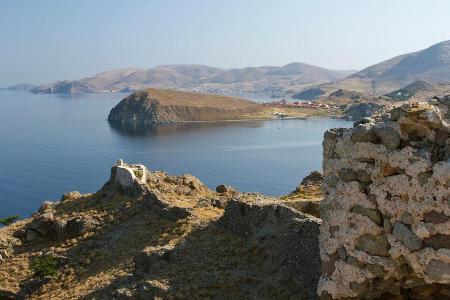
x: 148, y: 235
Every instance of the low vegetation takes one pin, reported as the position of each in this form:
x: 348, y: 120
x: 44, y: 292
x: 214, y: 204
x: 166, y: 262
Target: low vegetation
x: 44, y: 266
x: 9, y: 220
x: 138, y: 173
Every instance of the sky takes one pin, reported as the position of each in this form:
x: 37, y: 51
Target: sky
x: 47, y: 40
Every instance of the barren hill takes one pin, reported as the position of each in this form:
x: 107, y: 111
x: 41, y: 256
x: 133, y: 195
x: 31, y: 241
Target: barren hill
x: 419, y: 90
x: 199, y: 78
x: 431, y: 65
x: 163, y: 106
x: 149, y: 235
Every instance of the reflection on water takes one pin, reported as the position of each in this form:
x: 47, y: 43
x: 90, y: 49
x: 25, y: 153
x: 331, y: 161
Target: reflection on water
x: 134, y: 130
x: 52, y: 144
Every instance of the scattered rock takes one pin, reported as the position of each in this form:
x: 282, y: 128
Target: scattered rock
x: 150, y: 290
x: 224, y: 189
x: 214, y: 202
x: 75, y: 195
x: 80, y: 225
x: 47, y: 206
x: 174, y: 213
x: 145, y: 260
x: 40, y: 226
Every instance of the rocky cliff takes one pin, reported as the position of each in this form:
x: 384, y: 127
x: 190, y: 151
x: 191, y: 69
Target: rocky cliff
x: 154, y: 106
x: 386, y: 214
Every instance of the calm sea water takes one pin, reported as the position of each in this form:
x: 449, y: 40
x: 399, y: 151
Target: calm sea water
x: 52, y: 144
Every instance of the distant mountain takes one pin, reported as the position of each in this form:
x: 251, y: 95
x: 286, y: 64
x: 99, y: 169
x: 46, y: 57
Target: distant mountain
x: 419, y: 90
x: 308, y: 94
x: 18, y: 87
x: 199, y: 78
x: 431, y: 65
x: 297, y: 73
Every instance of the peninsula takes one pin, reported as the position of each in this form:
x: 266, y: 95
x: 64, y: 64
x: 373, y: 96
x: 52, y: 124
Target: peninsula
x: 160, y: 106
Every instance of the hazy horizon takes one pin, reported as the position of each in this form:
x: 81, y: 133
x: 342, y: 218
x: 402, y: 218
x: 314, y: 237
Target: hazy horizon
x: 54, y: 40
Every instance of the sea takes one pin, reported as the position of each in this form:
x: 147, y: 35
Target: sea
x: 52, y: 144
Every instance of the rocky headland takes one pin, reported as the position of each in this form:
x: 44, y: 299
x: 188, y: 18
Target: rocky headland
x: 160, y: 106
x: 378, y: 229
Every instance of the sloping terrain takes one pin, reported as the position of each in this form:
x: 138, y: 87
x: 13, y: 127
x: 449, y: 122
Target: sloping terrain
x: 18, y: 87
x: 431, y: 65
x: 198, y: 78
x: 148, y: 235
x: 419, y: 91
x: 163, y: 106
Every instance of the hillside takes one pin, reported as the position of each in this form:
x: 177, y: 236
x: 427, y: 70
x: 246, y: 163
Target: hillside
x: 149, y: 235
x: 198, y: 78
x: 18, y: 87
x: 431, y: 65
x: 419, y: 91
x: 164, y: 106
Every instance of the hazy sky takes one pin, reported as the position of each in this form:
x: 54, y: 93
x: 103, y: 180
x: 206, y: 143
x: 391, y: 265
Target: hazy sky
x: 45, y: 40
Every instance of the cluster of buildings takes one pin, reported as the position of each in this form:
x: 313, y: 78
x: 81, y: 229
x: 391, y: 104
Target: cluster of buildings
x: 308, y: 104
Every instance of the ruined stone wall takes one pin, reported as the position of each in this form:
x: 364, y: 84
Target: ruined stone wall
x: 386, y: 213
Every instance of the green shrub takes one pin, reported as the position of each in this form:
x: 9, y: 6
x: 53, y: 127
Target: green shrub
x: 138, y: 173
x: 44, y: 266
x: 9, y: 220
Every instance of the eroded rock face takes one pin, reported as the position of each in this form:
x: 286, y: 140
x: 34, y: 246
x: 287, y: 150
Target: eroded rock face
x: 386, y: 228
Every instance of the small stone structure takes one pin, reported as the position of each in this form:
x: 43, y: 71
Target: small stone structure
x: 386, y: 213
x: 127, y: 174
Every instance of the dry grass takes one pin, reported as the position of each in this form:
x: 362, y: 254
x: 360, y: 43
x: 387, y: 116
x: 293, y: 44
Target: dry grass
x: 190, y: 99
x: 207, y: 254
